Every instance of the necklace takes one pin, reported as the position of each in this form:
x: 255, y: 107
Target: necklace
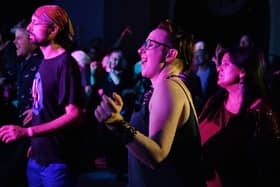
x: 147, y: 96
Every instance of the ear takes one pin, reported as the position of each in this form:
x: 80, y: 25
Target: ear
x: 53, y: 30
x: 171, y: 55
x: 242, y: 74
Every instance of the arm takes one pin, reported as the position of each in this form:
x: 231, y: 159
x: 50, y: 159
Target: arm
x: 165, y: 118
x: 10, y: 133
x: 164, y: 122
x: 71, y: 116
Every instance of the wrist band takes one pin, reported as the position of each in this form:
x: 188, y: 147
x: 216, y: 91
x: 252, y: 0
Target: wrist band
x: 124, y: 131
x: 29, y: 132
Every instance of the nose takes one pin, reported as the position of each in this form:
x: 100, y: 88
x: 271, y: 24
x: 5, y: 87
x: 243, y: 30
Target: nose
x: 140, y: 50
x: 218, y: 67
x: 28, y: 27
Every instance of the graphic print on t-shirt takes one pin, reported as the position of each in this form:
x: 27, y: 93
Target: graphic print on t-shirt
x: 37, y: 94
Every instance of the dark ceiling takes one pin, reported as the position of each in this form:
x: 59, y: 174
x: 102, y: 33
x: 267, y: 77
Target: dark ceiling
x: 13, y: 11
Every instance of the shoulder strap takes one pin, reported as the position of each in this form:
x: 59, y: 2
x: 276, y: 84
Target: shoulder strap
x: 188, y: 95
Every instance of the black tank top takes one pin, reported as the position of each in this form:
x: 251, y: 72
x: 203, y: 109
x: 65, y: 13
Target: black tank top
x: 181, y: 168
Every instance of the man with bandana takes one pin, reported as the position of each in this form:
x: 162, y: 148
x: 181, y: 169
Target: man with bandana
x: 57, y: 95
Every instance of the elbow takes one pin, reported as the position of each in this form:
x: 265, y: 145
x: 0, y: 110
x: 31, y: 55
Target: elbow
x: 158, y: 159
x: 79, y: 118
x: 155, y: 165
x: 76, y: 114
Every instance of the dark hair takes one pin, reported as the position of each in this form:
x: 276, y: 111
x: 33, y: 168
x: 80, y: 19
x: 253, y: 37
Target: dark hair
x: 64, y: 40
x: 247, y: 59
x: 180, y: 40
x: 20, y: 25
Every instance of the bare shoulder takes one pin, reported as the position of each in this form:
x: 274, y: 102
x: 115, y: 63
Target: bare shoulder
x: 179, y: 88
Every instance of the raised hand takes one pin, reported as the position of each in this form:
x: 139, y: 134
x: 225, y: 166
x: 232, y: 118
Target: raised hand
x: 108, y: 111
x: 126, y: 31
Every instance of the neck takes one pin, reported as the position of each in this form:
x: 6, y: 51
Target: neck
x: 234, y: 101
x: 52, y: 51
x: 171, y: 69
x: 203, y: 66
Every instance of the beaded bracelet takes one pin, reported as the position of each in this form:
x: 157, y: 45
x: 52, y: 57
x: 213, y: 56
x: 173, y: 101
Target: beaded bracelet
x: 124, y: 131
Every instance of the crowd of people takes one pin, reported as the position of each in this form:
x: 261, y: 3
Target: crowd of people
x: 181, y: 116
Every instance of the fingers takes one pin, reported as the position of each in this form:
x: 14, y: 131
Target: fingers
x: 118, y: 99
x: 3, y: 131
x: 6, y: 133
x: 26, y: 112
x: 102, y: 114
x: 108, y: 110
x: 98, y: 115
x: 29, y: 151
x: 28, y: 116
x: 10, y: 133
x: 26, y: 120
x: 104, y: 110
x: 109, y: 103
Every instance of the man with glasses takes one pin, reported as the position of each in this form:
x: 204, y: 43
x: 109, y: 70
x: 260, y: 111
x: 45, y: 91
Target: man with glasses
x: 162, y: 138
x: 57, y: 93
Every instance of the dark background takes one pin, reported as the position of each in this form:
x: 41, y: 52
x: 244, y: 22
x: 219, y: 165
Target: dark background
x: 212, y: 20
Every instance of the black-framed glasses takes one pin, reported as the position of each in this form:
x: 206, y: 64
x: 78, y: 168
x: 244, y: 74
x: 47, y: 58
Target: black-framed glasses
x: 151, y: 44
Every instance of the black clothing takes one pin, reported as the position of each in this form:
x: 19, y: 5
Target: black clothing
x: 182, y: 167
x: 25, y: 75
x: 56, y: 85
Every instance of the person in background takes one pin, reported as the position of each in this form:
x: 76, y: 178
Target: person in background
x: 141, y: 84
x: 84, y: 63
x: 205, y: 69
x: 162, y: 138
x: 218, y: 50
x: 8, y: 56
x: 30, y: 58
x: 57, y: 94
x: 247, y: 41
x: 239, y: 131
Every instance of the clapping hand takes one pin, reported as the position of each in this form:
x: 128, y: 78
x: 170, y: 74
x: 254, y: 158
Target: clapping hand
x: 108, y: 111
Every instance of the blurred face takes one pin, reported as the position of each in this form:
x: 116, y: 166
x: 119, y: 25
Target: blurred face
x: 199, y: 45
x: 245, y: 41
x: 105, y: 63
x: 153, y: 52
x: 200, y: 57
x: 115, y: 59
x: 39, y: 31
x: 228, y: 73
x: 22, y: 43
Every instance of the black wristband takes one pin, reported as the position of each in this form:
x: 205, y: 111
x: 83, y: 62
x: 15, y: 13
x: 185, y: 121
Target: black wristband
x: 124, y: 131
